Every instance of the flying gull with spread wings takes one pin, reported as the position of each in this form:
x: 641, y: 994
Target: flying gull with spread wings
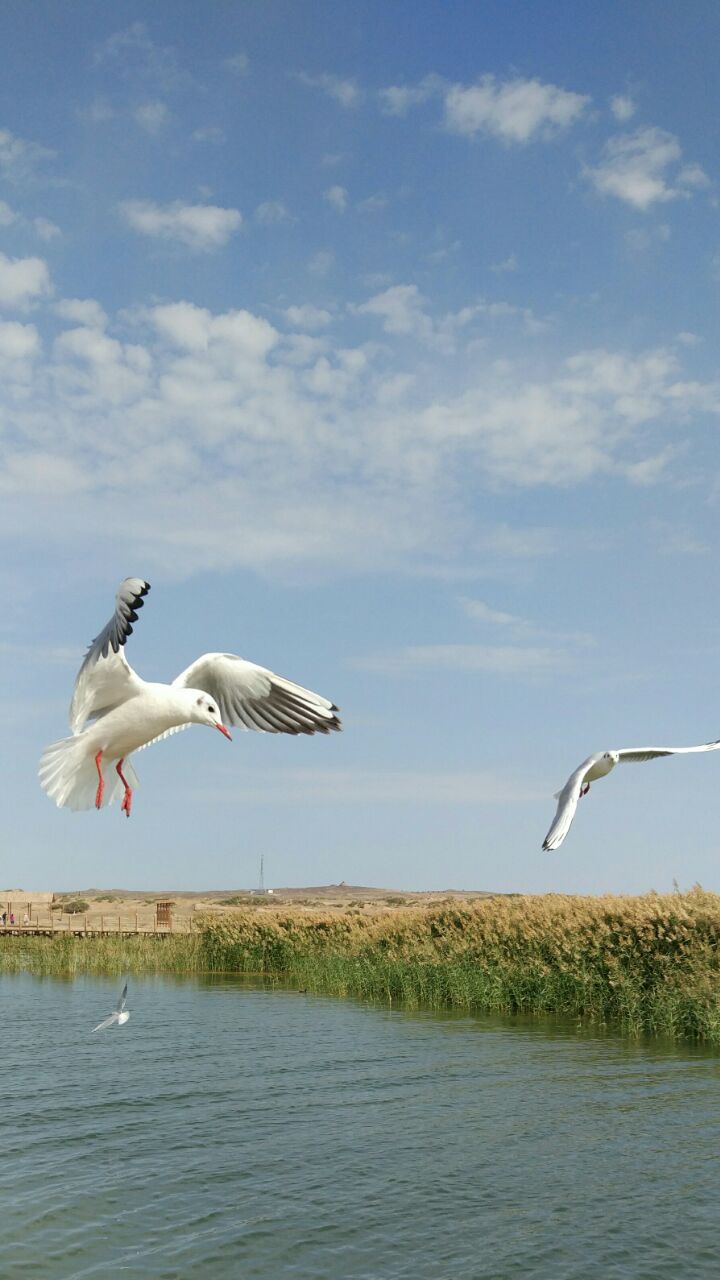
x: 598, y: 766
x: 114, y: 712
x: 119, y: 1015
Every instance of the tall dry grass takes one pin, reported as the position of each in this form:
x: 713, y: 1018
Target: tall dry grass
x: 648, y: 964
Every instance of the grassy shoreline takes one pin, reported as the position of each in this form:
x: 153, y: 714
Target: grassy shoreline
x: 646, y: 964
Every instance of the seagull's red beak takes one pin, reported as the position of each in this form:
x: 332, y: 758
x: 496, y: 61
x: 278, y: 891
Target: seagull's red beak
x: 222, y: 729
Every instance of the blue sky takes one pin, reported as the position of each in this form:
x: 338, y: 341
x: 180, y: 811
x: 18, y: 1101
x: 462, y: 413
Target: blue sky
x: 382, y: 340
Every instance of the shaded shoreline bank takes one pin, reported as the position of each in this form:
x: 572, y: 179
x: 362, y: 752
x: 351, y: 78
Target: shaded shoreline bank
x: 647, y: 964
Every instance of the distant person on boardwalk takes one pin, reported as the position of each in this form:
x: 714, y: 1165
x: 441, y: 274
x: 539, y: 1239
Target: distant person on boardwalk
x: 3, y: 918
x: 12, y: 917
x: 26, y: 920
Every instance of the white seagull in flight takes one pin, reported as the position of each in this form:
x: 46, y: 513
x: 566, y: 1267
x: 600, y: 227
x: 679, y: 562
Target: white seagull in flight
x: 597, y: 766
x: 114, y: 712
x: 119, y: 1015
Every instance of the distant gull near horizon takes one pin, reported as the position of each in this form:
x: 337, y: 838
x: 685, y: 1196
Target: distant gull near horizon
x: 114, y: 712
x: 598, y: 766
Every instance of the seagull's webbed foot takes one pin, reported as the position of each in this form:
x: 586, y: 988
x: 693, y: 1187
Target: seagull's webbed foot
x: 101, y: 781
x: 126, y: 805
x: 584, y: 790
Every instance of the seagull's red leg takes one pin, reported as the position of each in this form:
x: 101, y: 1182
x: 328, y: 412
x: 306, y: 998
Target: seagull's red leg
x: 126, y: 805
x: 101, y: 781
x: 584, y: 790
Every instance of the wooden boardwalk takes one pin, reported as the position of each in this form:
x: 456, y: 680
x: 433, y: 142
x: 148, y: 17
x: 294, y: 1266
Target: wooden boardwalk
x: 94, y: 926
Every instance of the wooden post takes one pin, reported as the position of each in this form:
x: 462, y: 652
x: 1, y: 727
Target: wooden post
x: 85, y: 923
x: 119, y: 925
x: 136, y: 923
x: 102, y: 924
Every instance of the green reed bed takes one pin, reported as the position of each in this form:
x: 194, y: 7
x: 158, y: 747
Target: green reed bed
x: 66, y: 955
x: 647, y: 964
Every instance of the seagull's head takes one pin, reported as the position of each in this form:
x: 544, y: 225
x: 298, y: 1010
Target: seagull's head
x: 612, y: 757
x: 205, y: 711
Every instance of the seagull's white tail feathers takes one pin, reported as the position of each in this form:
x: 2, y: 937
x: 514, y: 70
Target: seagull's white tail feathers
x: 68, y: 775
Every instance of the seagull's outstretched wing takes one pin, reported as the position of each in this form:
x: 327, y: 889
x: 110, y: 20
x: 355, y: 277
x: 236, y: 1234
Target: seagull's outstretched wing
x: 108, y: 1022
x: 122, y: 1001
x: 106, y: 679
x: 567, y: 804
x: 255, y: 698
x: 635, y: 755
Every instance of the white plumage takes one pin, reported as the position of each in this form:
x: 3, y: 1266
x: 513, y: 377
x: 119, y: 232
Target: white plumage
x: 114, y: 712
x: 598, y: 766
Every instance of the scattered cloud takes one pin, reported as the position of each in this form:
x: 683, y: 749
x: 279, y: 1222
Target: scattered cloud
x: 82, y: 311
x: 373, y: 204
x: 134, y: 55
x: 307, y: 317
x: 505, y: 265
x: 346, y: 92
x: 638, y: 167
x: 372, y: 786
x: 337, y: 197
x: 622, y: 107
x: 512, y: 110
x: 322, y: 262
x: 152, y: 116
x: 199, y: 226
x: 211, y: 133
x: 23, y: 281
x: 502, y: 660
x: 397, y: 100
x: 20, y: 160
x: 642, y: 239
x: 272, y: 212
x: 46, y: 229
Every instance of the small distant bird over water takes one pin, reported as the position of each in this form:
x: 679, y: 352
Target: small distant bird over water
x: 114, y: 712
x: 597, y: 766
x: 119, y: 1015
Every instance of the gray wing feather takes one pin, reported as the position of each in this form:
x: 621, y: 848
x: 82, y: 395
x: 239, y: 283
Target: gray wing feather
x: 123, y: 998
x: 252, y: 697
x: 105, y: 678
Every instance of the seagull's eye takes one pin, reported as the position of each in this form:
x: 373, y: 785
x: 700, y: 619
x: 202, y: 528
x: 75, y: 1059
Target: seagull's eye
x: 212, y: 711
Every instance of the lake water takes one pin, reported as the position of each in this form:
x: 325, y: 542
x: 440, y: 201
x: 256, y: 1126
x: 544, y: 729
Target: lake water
x: 232, y: 1131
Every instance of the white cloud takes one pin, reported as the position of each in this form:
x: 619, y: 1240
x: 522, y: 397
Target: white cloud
x: 20, y: 159
x: 83, y: 311
x: 18, y: 341
x: 637, y: 167
x: 199, y: 226
x: 7, y: 215
x: 46, y: 229
x: 337, y: 197
x: 397, y: 100
x: 402, y: 310
x: 135, y: 55
x: 307, y: 317
x: 622, y: 107
x: 23, y: 281
x: 514, y: 110
x: 152, y: 116
x: 346, y: 92
x: 481, y: 612
x: 271, y: 213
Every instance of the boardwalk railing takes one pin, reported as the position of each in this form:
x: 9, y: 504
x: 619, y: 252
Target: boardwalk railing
x: 95, y: 923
